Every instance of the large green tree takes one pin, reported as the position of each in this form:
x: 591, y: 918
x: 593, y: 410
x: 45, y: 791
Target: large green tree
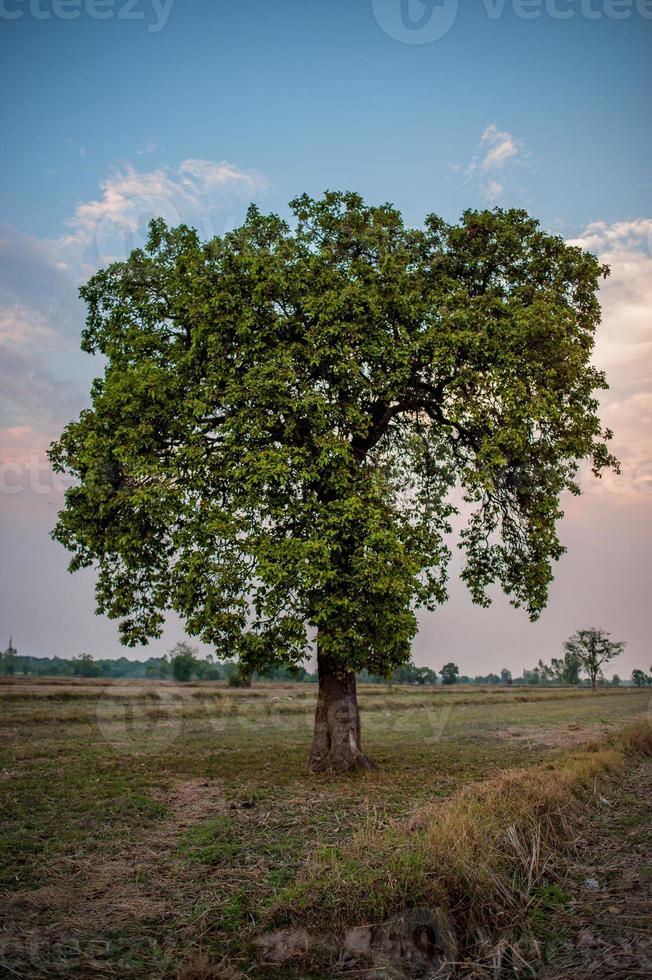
x: 285, y: 410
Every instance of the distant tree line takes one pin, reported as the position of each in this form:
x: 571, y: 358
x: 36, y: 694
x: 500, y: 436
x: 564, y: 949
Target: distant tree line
x: 585, y: 652
x: 155, y: 668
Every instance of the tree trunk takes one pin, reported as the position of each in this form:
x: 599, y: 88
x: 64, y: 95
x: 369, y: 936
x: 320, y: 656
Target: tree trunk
x: 336, y: 741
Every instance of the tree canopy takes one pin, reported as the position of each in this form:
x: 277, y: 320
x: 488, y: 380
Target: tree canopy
x: 590, y: 649
x: 286, y: 409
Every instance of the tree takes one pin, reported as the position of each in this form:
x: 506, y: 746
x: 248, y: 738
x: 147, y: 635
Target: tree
x: 567, y: 670
x: 505, y: 676
x: 85, y: 666
x: 640, y: 678
x: 285, y: 411
x: 560, y: 670
x: 183, y: 662
x: 532, y: 676
x: 8, y: 659
x: 593, y: 648
x: 411, y: 674
x: 449, y: 673
x: 616, y: 681
x: 240, y: 677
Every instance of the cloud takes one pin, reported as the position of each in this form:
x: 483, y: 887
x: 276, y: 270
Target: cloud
x: 497, y: 150
x: 624, y: 342
x: 34, y: 405
x: 23, y: 327
x: 492, y: 191
x: 600, y: 236
x: 31, y: 392
x: 203, y: 193
x: 501, y: 148
x: 34, y: 276
x: 43, y: 375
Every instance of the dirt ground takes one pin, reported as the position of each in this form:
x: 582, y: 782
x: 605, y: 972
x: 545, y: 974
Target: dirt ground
x: 606, y: 928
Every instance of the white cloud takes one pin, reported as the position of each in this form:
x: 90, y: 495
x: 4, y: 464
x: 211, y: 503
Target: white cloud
x: 624, y: 340
x: 43, y: 376
x: 600, y: 236
x: 203, y: 193
x: 497, y: 150
x: 209, y: 174
x: 502, y: 147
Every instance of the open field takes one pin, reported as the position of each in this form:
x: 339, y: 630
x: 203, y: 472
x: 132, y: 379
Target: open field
x: 156, y: 829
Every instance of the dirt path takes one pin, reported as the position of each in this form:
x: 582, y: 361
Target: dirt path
x: 606, y: 929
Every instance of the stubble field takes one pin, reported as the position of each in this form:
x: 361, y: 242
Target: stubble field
x: 154, y: 829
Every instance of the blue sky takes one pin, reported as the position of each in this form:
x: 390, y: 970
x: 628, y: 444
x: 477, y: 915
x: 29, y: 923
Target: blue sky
x: 193, y: 108
x: 316, y: 94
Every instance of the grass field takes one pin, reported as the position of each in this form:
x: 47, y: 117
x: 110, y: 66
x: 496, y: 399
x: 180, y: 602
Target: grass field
x: 154, y: 829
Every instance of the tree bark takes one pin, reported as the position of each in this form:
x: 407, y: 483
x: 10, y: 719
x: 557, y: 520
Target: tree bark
x: 336, y: 742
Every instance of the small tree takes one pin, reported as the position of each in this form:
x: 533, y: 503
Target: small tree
x: 568, y: 668
x: 449, y: 673
x: 85, y: 666
x: 8, y: 659
x: 505, y: 676
x: 593, y: 649
x: 183, y: 661
x: 240, y: 677
x: 640, y: 678
x: 616, y: 681
x: 286, y: 410
x: 532, y: 676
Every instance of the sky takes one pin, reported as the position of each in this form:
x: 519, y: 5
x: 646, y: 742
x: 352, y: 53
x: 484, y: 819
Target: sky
x: 119, y: 110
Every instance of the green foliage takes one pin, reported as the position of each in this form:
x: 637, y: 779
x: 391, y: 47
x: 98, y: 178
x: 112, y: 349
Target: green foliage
x: 592, y: 648
x: 8, y: 660
x: 241, y: 677
x: 564, y: 670
x: 546, y: 902
x: 411, y: 674
x: 640, y: 678
x: 449, y: 673
x: 85, y: 666
x: 284, y: 412
x: 183, y: 662
x: 532, y: 677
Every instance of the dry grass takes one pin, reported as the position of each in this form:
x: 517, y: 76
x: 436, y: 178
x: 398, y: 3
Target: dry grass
x: 145, y: 835
x: 482, y: 856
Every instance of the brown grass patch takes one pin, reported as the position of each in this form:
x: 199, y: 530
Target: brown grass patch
x: 481, y: 856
